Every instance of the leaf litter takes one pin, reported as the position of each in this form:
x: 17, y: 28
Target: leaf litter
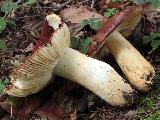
x: 20, y: 41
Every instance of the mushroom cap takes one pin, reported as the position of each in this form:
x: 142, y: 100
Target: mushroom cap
x: 35, y: 72
x: 128, y: 25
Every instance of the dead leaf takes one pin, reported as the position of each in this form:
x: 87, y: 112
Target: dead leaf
x: 131, y: 113
x: 73, y: 116
x: 29, y: 105
x: 50, y: 111
x: 73, y: 17
x: 7, y: 107
x: 109, y: 4
x: 152, y: 13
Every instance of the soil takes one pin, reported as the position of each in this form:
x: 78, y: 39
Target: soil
x: 76, y: 102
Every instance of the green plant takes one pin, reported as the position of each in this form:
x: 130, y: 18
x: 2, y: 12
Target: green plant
x: 158, y: 97
x: 154, y: 116
x: 141, y: 110
x: 84, y: 45
x: 111, y: 12
x: 3, y: 83
x: 115, y: 0
x: 74, y: 42
x: 153, y: 39
x: 155, y: 3
x: 81, y: 44
x: 149, y: 102
x: 94, y: 23
x: 3, y: 46
x: 3, y: 24
x: 30, y: 2
x: 158, y: 76
x: 7, y: 8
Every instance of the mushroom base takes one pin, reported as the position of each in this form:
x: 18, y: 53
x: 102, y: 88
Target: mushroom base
x: 136, y: 68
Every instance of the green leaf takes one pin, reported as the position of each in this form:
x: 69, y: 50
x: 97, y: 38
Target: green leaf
x: 6, y: 81
x: 74, y: 42
x: 149, y: 102
x: 115, y: 0
x: 3, y: 24
x: 155, y: 43
x: 9, y: 6
x: 11, y: 22
x: 141, y: 110
x: 3, y: 46
x: 95, y: 23
x: 146, y: 39
x: 111, y: 12
x: 15, y: 101
x: 154, y: 35
x: 2, y: 87
x: 154, y: 116
x: 149, y: 0
x: 29, y: 2
x: 3, y: 84
x: 85, y: 22
x: 158, y: 97
x: 107, y: 14
x: 156, y: 3
x: 140, y: 1
x: 84, y: 45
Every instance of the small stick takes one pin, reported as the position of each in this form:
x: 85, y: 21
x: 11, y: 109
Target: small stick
x: 11, y: 111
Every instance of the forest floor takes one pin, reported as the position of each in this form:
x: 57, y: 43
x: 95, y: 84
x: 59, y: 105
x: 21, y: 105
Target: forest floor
x: 69, y: 100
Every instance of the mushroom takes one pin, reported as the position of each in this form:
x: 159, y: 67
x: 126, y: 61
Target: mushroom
x: 136, y: 68
x: 53, y: 55
x: 36, y: 71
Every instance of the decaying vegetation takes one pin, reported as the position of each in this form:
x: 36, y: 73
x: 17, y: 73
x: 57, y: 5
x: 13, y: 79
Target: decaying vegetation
x: 43, y: 46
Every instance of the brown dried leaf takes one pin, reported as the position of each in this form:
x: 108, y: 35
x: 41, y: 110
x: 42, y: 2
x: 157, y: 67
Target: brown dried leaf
x: 73, y: 116
x: 109, y: 4
x: 7, y: 107
x: 29, y: 105
x: 50, y: 111
x: 73, y: 17
x: 152, y: 13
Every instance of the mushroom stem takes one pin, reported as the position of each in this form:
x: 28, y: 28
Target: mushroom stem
x: 96, y: 76
x: 136, y: 68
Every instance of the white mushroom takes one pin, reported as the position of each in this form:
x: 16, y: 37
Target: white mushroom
x: 137, y: 69
x: 35, y: 73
